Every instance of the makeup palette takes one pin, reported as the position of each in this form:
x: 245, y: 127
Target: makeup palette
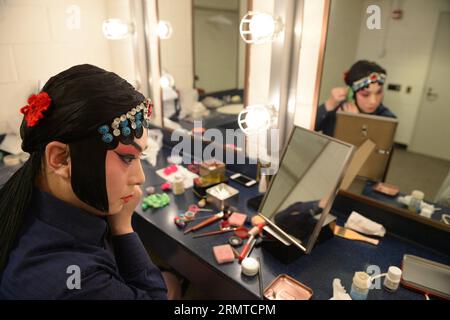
x: 285, y: 287
x: 237, y: 219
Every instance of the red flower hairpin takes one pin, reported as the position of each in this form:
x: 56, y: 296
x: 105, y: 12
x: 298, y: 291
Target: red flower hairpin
x: 346, y: 75
x: 37, y: 104
x: 149, y: 105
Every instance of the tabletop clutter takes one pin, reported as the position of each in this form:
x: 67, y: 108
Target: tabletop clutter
x: 414, y: 202
x: 209, y: 183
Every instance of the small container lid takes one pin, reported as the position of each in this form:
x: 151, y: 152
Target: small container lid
x: 250, y: 266
x: 394, y: 273
x: 361, y: 280
x: 235, y: 241
x: 418, y: 194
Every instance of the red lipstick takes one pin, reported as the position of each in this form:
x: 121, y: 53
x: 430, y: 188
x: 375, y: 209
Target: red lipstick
x: 127, y: 198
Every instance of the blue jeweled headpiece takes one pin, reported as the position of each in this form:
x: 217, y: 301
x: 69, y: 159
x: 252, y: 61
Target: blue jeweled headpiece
x: 372, y: 78
x: 122, y: 126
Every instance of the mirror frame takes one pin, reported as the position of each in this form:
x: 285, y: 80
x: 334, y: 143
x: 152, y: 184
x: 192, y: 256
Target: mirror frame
x: 334, y: 192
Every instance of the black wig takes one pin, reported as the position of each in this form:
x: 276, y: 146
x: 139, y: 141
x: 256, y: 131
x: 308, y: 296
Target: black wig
x: 83, y: 98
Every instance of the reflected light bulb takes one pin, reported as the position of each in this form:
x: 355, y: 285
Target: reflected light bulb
x: 254, y: 119
x: 164, y: 29
x: 262, y: 25
x: 166, y: 81
x: 116, y: 29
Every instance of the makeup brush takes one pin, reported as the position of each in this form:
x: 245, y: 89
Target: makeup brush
x: 212, y: 233
x: 353, y: 235
x: 206, y: 222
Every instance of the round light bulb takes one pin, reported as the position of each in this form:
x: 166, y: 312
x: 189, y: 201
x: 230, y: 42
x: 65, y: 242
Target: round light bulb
x: 166, y: 81
x: 254, y: 119
x: 262, y: 26
x: 164, y: 30
x: 116, y: 29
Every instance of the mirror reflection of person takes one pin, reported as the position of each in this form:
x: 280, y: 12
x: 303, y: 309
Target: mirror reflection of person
x: 364, y: 94
x: 298, y: 219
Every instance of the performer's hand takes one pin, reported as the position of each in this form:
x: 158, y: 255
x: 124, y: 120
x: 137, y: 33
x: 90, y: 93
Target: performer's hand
x: 120, y: 223
x: 336, y: 97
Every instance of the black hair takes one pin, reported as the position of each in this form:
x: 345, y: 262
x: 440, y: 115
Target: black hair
x: 361, y: 69
x: 83, y: 98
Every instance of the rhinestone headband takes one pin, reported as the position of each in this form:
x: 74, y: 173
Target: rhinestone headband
x: 372, y: 78
x: 123, y: 125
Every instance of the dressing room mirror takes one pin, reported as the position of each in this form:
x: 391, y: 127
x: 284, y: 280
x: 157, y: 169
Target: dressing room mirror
x: 301, y: 193
x: 409, y: 39
x: 202, y: 63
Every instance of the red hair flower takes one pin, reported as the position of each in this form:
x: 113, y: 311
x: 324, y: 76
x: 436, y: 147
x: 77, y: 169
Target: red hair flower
x: 37, y: 104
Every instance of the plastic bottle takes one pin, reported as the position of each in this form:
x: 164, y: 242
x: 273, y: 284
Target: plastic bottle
x: 360, y: 286
x: 392, y: 279
x: 178, y: 185
x: 416, y: 201
x: 262, y: 187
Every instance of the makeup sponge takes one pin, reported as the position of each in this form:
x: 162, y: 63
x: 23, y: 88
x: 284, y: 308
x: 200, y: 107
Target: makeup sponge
x: 237, y: 219
x: 223, y: 253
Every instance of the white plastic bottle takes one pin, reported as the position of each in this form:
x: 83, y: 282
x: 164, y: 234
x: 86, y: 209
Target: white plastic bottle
x: 416, y: 201
x: 178, y: 185
x: 360, y: 286
x: 392, y: 279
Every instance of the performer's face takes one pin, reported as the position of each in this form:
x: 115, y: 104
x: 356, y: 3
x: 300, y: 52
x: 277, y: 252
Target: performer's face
x: 124, y: 171
x: 370, y: 98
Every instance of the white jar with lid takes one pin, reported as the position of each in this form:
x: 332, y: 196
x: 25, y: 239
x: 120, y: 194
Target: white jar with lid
x: 178, y: 185
x: 392, y: 279
x: 416, y: 201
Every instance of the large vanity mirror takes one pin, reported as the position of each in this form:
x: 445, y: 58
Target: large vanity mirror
x: 409, y: 40
x: 202, y: 63
x: 301, y: 193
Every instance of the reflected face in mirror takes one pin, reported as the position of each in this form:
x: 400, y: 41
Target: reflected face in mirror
x: 305, y: 184
x: 416, y: 56
x: 368, y: 99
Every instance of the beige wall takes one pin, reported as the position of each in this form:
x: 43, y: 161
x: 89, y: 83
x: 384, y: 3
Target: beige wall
x: 342, y: 43
x: 243, y: 5
x: 216, y: 49
x: 35, y: 43
x: 176, y: 52
x: 406, y: 56
x: 121, y: 51
x: 260, y: 62
x: 218, y: 4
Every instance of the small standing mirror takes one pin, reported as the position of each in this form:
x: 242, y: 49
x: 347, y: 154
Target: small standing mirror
x: 301, y: 193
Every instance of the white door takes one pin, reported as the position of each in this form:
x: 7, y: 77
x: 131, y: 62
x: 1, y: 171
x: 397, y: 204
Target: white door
x: 432, y: 131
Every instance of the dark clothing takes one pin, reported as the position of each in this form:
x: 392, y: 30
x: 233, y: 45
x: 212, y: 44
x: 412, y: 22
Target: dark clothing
x: 57, y: 236
x: 326, y: 120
